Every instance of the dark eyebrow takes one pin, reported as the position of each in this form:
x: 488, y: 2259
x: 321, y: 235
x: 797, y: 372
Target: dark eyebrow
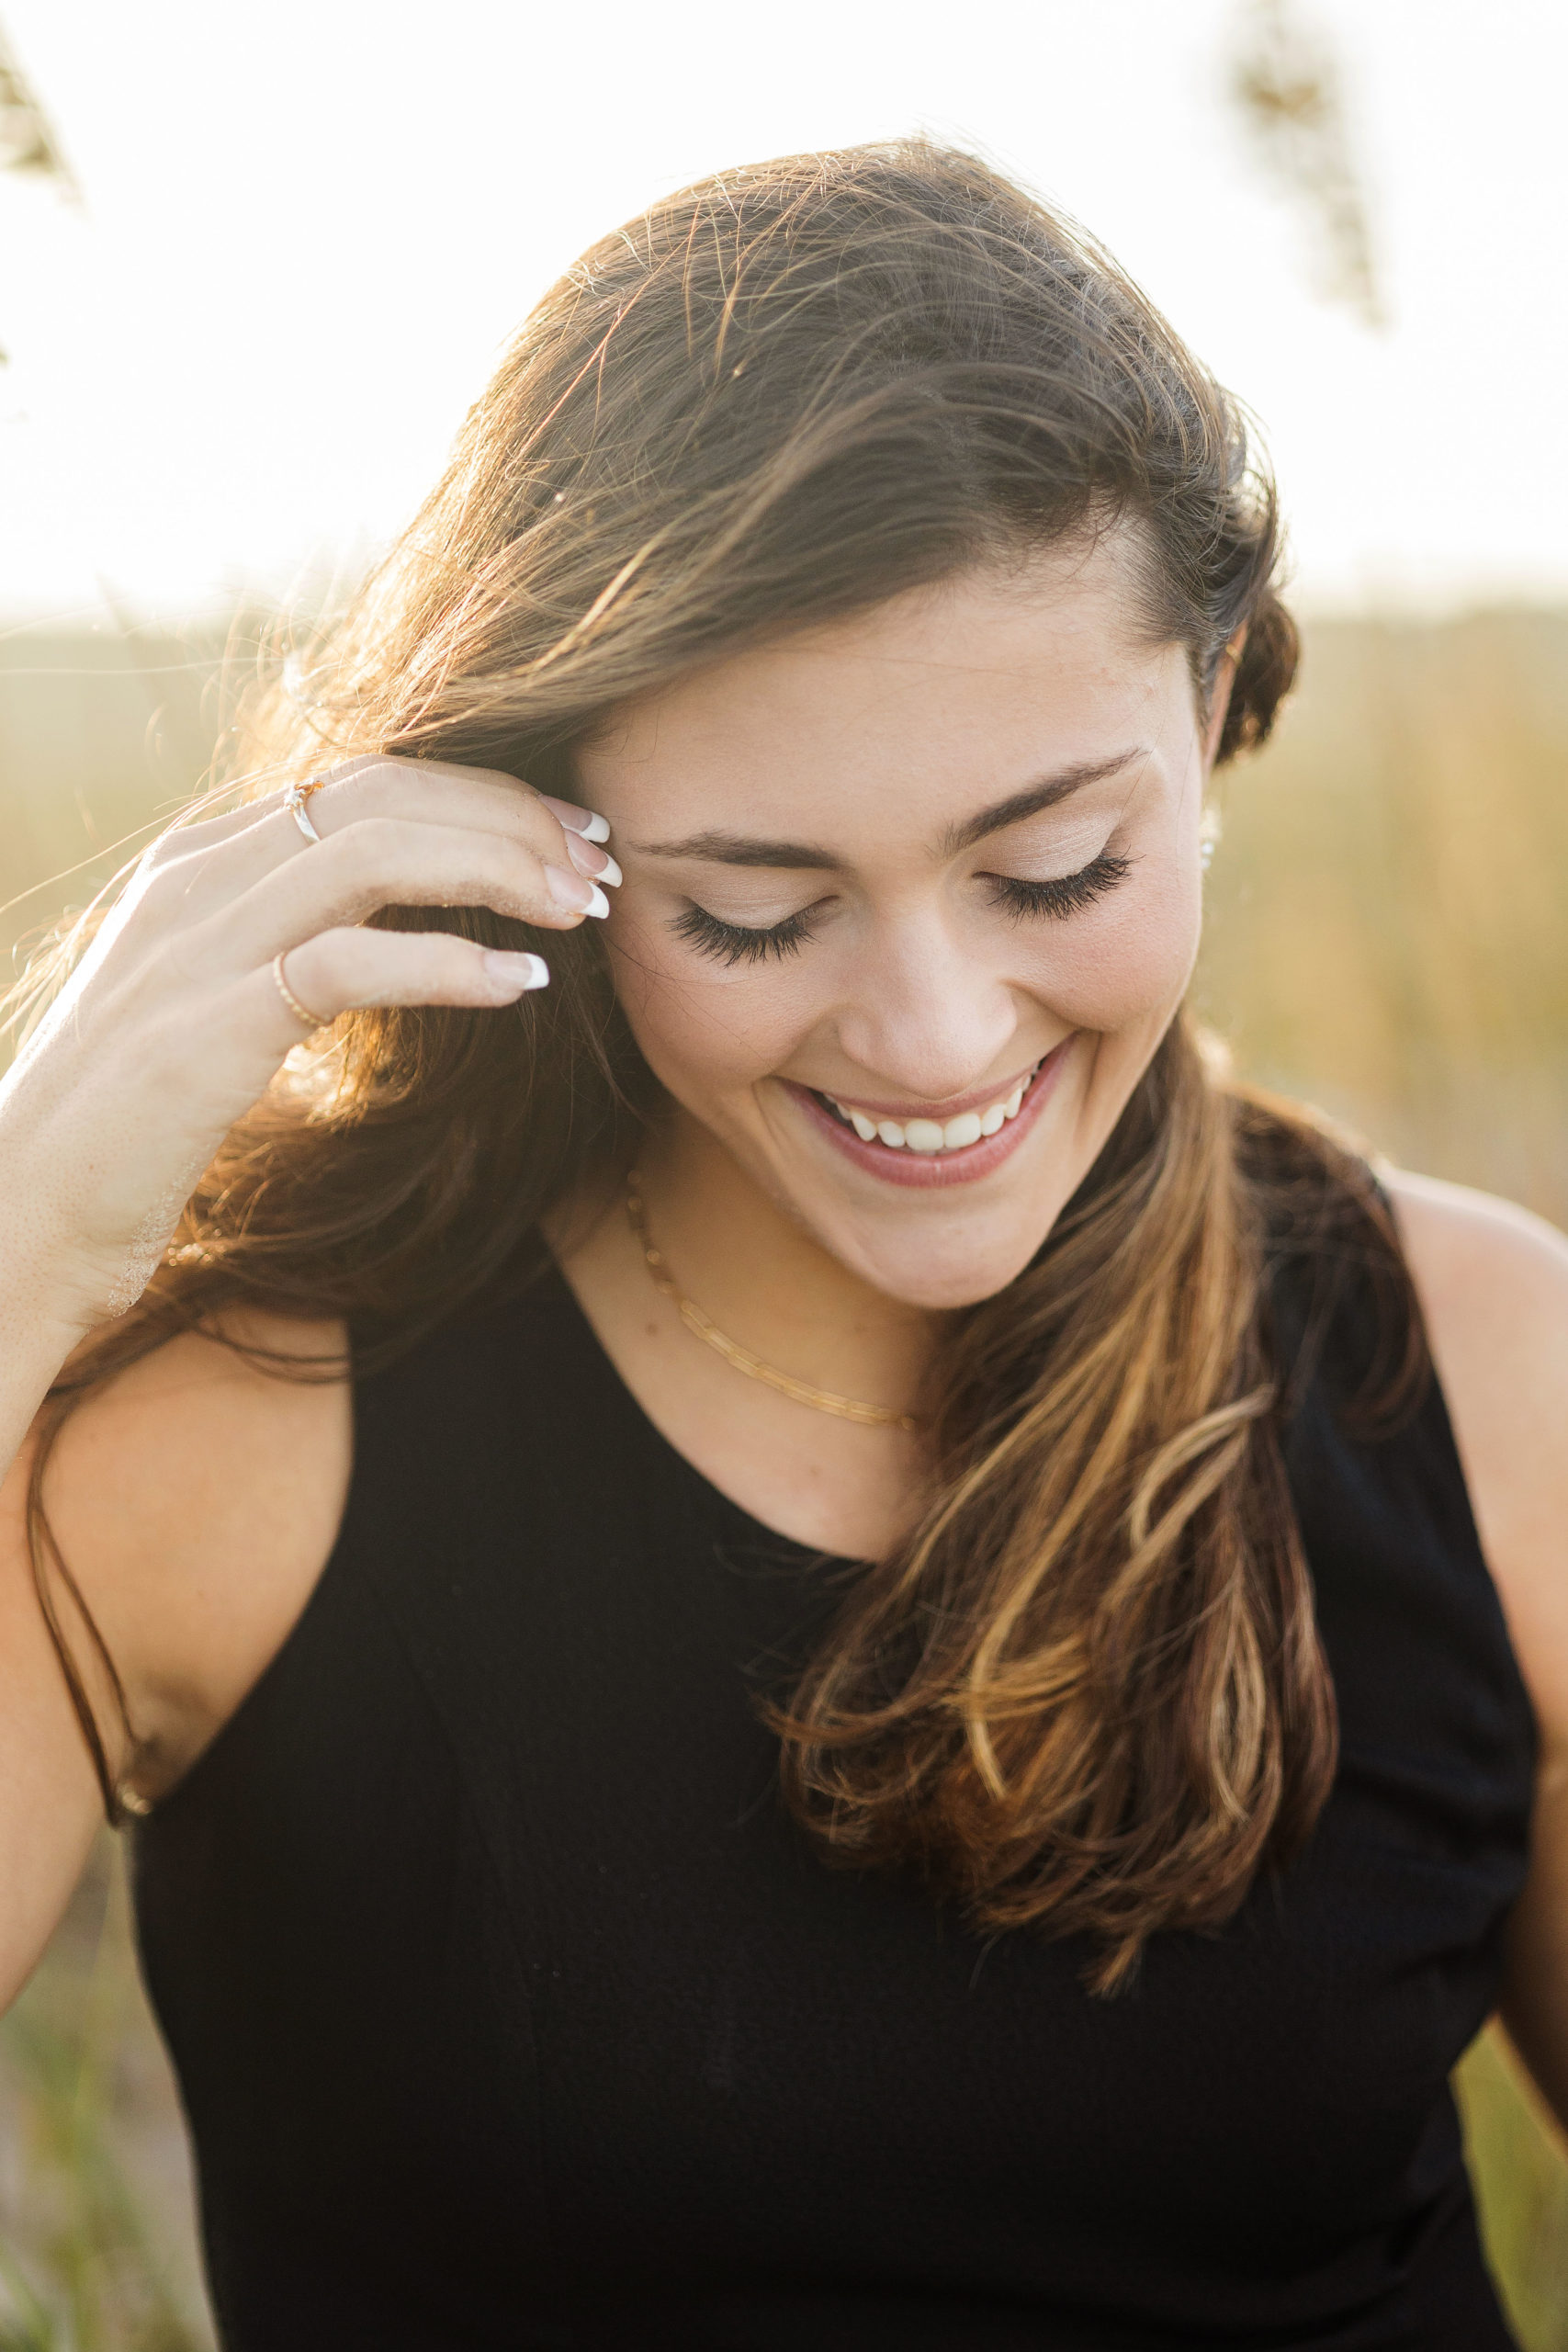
x: 740, y: 849
x: 1033, y: 799
x: 745, y: 849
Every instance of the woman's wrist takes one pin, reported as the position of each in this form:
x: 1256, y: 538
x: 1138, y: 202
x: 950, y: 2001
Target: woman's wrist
x: 51, y: 1293
x: 36, y: 1339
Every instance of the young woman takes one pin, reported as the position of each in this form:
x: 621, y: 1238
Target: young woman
x: 878, y: 1718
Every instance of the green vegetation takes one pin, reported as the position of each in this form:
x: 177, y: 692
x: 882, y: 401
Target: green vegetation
x: 1522, y: 2180
x: 1385, y: 939
x: 96, y: 2243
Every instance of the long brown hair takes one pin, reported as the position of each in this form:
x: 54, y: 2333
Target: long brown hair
x: 1086, y: 1691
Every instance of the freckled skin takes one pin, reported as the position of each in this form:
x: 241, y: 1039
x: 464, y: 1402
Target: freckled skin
x: 869, y: 738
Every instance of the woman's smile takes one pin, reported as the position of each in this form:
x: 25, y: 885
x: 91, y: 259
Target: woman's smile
x: 929, y: 1145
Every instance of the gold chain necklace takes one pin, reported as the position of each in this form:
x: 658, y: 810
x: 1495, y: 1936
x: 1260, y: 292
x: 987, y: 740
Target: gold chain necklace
x: 821, y: 1400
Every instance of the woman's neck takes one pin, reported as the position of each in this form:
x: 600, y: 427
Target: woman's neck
x: 766, y: 1283
x: 838, y: 1486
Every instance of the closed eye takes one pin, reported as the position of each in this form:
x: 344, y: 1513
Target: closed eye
x: 733, y: 943
x: 1065, y: 893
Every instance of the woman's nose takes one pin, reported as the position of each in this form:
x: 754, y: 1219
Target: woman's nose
x: 925, y: 1019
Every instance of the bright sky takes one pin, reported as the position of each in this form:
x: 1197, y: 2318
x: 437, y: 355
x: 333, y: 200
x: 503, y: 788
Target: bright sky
x: 309, y: 228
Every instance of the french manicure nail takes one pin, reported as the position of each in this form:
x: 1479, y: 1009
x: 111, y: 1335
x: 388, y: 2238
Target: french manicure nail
x: 582, y: 821
x: 590, y: 859
x: 570, y: 891
x: 575, y: 892
x: 517, y: 969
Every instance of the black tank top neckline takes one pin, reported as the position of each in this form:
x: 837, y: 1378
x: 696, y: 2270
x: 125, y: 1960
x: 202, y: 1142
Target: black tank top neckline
x: 716, y: 1498
x: 511, y: 2010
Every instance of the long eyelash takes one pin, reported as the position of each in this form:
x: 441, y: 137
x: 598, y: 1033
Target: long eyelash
x: 732, y: 944
x: 1066, y: 892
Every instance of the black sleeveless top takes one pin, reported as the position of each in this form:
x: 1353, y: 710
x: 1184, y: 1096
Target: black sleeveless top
x: 511, y: 2010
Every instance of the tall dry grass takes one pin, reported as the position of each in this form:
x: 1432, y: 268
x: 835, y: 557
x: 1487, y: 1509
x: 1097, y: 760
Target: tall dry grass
x: 1385, y: 938
x: 1386, y: 930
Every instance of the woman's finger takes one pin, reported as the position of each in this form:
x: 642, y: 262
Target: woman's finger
x: 200, y: 828
x: 427, y: 792
x: 345, y: 970
x: 220, y: 856
x: 379, y: 862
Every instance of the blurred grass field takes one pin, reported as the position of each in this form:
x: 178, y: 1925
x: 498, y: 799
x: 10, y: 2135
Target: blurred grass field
x: 1386, y: 938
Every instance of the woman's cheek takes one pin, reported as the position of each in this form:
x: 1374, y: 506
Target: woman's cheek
x: 1129, y: 960
x: 702, y: 1029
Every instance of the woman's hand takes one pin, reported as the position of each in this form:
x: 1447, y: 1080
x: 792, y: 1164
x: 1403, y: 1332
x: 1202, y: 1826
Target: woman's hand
x: 174, y: 1023
x: 169, y: 1030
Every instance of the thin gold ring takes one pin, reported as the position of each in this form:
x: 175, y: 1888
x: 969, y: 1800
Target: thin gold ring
x: 300, y: 1011
x: 294, y: 800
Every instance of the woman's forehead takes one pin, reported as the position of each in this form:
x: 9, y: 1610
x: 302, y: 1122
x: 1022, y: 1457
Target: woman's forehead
x: 982, y: 670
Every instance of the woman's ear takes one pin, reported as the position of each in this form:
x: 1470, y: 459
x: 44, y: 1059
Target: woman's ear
x: 1225, y: 685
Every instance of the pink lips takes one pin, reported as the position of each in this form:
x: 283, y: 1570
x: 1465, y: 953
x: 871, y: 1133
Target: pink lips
x: 929, y: 1172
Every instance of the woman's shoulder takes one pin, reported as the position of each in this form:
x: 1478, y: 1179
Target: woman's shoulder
x: 1493, y: 1283
x: 196, y: 1497
x: 1458, y: 1232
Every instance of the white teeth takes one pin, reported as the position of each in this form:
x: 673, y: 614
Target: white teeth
x: 927, y: 1135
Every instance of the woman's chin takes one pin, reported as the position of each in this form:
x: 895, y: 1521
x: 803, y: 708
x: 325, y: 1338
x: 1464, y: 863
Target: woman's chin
x: 934, y: 1280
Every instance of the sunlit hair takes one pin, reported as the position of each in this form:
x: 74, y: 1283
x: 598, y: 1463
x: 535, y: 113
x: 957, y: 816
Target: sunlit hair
x: 1086, y: 1693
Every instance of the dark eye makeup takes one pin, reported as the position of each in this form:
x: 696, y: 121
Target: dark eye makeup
x: 732, y: 942
x: 1066, y: 893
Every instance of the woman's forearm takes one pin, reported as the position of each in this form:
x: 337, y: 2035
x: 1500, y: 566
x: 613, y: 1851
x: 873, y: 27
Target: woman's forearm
x: 37, y: 1331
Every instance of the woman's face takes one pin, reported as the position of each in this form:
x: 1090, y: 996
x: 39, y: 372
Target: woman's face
x: 909, y: 901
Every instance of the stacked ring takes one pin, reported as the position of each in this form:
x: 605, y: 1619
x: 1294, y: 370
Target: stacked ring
x: 300, y: 1011
x: 294, y: 800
